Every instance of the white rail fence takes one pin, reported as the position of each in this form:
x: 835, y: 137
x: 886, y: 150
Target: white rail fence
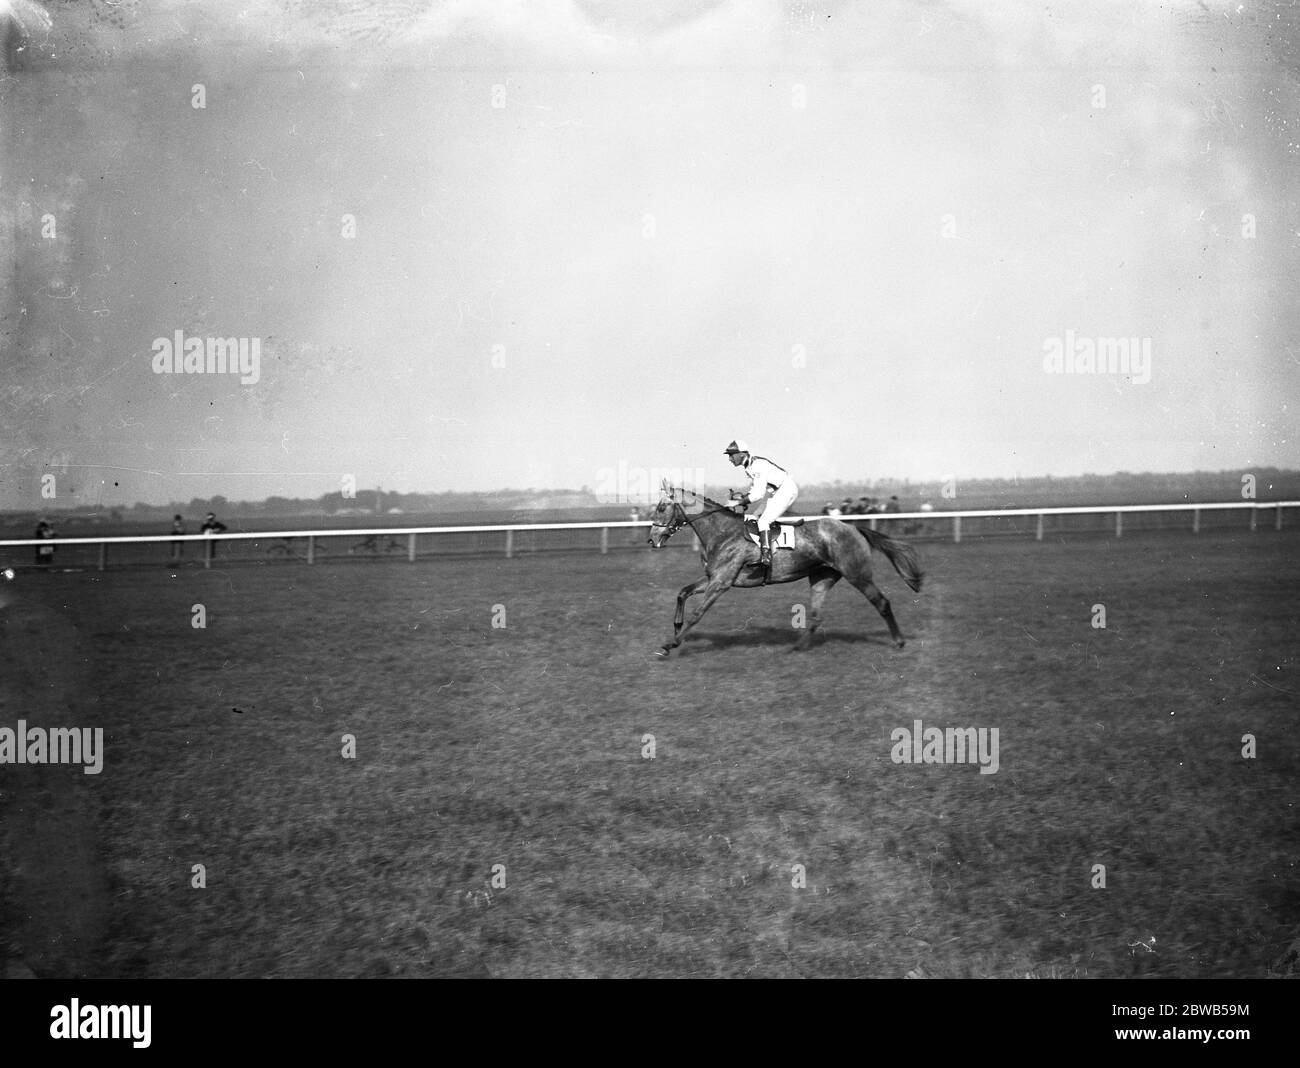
x: 314, y: 546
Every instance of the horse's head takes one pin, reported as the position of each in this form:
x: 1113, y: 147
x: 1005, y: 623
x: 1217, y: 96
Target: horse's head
x: 671, y: 513
x: 667, y: 518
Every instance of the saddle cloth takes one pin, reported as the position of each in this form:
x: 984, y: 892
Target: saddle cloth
x: 782, y: 536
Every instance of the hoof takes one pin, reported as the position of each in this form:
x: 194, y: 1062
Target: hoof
x: 662, y: 652
x: 899, y: 644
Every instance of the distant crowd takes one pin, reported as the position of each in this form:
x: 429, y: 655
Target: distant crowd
x: 45, y: 532
x: 211, y: 525
x: 862, y: 506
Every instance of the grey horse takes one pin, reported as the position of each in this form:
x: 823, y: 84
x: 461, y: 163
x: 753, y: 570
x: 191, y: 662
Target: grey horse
x: 825, y: 551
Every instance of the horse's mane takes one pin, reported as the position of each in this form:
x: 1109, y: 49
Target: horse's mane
x: 675, y: 490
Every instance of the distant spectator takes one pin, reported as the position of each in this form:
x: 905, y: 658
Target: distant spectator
x: 635, y: 515
x: 922, y: 526
x: 846, y: 506
x: 831, y: 509
x: 893, y: 505
x: 212, y: 525
x: 178, y: 547
x: 44, y: 553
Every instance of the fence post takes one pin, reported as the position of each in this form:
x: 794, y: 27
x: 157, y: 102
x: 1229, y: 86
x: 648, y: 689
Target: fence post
x: 1277, y: 523
x: 207, y: 553
x: 410, y: 549
x: 1119, y: 524
x: 956, y: 528
x: 1254, y: 519
x: 604, y: 540
x: 1039, y: 535
x: 872, y: 522
x: 510, y: 544
x: 311, y: 549
x: 1196, y: 520
x: 103, y: 555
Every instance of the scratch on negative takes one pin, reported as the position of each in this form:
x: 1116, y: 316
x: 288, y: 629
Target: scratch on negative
x: 1271, y: 686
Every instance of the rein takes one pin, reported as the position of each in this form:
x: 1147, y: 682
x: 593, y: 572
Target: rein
x: 688, y: 522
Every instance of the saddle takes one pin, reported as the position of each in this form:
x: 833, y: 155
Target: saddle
x: 782, y: 534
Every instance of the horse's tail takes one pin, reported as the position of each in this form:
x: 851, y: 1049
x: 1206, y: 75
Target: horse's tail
x: 899, y: 553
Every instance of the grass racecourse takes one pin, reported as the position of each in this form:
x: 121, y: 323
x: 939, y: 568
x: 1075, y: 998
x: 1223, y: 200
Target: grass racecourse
x: 503, y: 816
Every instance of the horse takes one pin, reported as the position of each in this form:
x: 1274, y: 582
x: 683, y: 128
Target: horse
x: 825, y: 551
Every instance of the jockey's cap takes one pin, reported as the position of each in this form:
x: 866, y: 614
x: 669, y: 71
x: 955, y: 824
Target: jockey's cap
x: 736, y: 446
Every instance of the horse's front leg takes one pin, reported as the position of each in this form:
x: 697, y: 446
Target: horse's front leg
x: 687, y: 591
x: 714, y: 588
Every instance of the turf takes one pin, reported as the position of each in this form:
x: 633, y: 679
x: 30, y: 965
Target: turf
x: 525, y: 745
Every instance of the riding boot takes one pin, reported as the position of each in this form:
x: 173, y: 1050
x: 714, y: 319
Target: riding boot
x: 765, y: 552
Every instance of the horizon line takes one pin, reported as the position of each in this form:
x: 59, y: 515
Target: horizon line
x: 51, y: 506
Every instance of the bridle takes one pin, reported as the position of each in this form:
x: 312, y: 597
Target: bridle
x: 676, y: 524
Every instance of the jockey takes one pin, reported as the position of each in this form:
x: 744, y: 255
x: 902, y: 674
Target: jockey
x: 764, y: 475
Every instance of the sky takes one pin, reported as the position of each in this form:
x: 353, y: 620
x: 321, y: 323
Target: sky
x: 485, y: 245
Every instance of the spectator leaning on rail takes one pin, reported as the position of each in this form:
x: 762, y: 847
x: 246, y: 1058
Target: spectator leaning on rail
x: 764, y: 476
x: 212, y: 525
x: 44, y: 553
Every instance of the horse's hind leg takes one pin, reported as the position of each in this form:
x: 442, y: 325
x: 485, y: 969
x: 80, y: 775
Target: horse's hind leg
x: 821, y: 580
x: 881, y: 604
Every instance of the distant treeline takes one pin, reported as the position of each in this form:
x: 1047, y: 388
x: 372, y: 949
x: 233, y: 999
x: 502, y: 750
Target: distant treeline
x: 1263, y: 484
